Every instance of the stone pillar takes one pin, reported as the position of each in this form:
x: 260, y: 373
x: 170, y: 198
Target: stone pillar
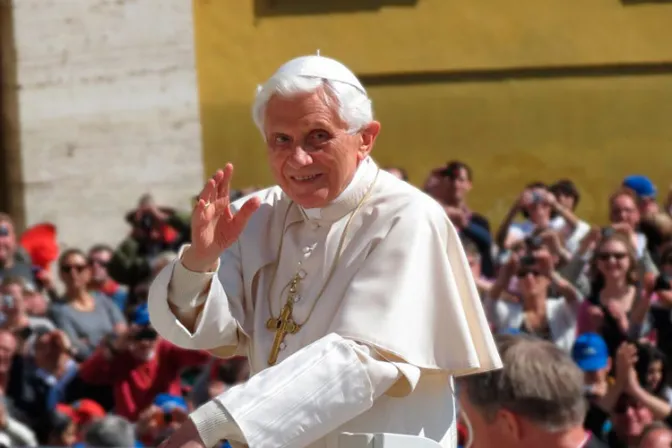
x: 101, y: 105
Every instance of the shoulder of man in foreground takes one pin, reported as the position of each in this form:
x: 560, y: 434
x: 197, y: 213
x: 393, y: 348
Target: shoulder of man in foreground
x: 399, y: 198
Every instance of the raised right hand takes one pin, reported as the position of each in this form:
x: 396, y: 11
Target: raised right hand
x: 214, y: 227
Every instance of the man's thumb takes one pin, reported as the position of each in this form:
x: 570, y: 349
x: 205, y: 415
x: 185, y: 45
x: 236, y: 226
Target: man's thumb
x: 245, y: 213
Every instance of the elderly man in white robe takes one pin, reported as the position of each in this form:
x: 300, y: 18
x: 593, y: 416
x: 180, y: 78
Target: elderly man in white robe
x: 347, y: 288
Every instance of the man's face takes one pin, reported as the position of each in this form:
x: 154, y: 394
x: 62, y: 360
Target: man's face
x: 538, y: 209
x: 7, y: 351
x: 143, y: 342
x: 648, y: 206
x: 456, y: 186
x: 99, y: 261
x: 7, y: 242
x: 624, y: 209
x: 595, y: 376
x: 12, y: 298
x: 630, y: 418
x: 312, y: 155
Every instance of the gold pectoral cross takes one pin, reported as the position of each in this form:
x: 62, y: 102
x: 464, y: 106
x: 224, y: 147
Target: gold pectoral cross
x: 284, y: 324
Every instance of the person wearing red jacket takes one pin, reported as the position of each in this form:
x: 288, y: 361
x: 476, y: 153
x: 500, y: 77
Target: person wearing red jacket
x: 139, y: 365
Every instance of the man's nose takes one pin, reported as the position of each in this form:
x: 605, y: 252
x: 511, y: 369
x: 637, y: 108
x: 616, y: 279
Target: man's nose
x: 301, y: 157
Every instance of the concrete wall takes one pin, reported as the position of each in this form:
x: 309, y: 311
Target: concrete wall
x: 522, y: 90
x: 100, y: 105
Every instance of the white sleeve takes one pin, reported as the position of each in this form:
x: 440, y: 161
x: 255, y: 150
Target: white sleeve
x: 220, y: 293
x: 20, y: 433
x: 304, y: 398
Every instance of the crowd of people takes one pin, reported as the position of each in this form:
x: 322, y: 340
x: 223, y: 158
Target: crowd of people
x: 81, y: 365
x: 599, y: 294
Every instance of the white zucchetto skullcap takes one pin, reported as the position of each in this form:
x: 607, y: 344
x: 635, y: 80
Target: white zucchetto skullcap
x: 320, y: 67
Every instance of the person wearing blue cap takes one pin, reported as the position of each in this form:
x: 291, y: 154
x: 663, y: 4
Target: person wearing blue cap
x: 591, y: 354
x: 646, y: 192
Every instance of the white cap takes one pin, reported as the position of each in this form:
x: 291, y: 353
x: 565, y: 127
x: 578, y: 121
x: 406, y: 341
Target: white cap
x: 320, y: 67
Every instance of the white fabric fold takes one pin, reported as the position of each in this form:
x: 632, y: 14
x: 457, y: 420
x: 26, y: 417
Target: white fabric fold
x: 186, y: 287
x: 216, y: 325
x: 300, y: 400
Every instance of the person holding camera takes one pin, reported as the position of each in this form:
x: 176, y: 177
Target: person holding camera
x: 161, y: 418
x: 154, y: 230
x: 139, y: 365
x: 538, y: 205
x: 553, y: 319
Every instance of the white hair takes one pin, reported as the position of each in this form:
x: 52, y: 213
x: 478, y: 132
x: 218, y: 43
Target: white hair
x: 354, y: 106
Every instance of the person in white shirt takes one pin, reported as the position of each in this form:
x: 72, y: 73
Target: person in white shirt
x: 347, y: 288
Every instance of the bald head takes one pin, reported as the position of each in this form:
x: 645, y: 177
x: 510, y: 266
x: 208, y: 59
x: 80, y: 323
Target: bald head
x: 656, y: 436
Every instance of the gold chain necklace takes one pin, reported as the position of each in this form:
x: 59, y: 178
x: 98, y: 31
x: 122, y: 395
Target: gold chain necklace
x: 284, y: 324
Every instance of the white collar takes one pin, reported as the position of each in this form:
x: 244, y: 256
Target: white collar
x: 316, y: 213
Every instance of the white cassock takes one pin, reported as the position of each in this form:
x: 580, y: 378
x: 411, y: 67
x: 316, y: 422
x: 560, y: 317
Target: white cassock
x: 397, y: 318
x: 384, y: 298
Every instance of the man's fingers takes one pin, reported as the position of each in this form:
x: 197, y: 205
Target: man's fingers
x: 224, y: 184
x: 208, y: 190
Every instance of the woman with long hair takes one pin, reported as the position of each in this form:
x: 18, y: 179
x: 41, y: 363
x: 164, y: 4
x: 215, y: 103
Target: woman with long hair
x: 615, y: 306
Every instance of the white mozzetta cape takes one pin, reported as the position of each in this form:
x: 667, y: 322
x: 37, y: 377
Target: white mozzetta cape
x: 402, y: 288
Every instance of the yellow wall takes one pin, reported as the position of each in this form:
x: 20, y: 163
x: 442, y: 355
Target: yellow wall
x: 594, y: 129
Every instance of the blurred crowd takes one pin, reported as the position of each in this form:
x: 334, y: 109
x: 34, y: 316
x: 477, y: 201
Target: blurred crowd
x: 601, y: 294
x: 80, y: 364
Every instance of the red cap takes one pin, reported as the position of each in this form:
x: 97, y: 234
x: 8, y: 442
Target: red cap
x: 82, y: 411
x: 40, y: 243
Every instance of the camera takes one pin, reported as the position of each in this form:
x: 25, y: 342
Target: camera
x: 528, y: 260
x: 146, y: 221
x: 608, y: 232
x: 662, y: 284
x: 145, y: 334
x: 534, y: 242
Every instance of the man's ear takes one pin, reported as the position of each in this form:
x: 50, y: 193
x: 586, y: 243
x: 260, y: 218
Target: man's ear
x: 368, y: 138
x: 509, y: 424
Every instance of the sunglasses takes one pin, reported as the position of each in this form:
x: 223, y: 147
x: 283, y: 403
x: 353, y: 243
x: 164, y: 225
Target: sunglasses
x: 101, y: 263
x: 606, y: 256
x: 68, y: 268
x: 524, y: 273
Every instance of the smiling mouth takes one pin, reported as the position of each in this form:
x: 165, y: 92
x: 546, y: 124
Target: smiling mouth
x: 306, y: 179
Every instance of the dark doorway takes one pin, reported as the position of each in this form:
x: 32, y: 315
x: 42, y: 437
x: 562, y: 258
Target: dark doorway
x: 270, y: 8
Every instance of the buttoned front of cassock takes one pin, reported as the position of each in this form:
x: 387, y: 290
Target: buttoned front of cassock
x: 383, y: 339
